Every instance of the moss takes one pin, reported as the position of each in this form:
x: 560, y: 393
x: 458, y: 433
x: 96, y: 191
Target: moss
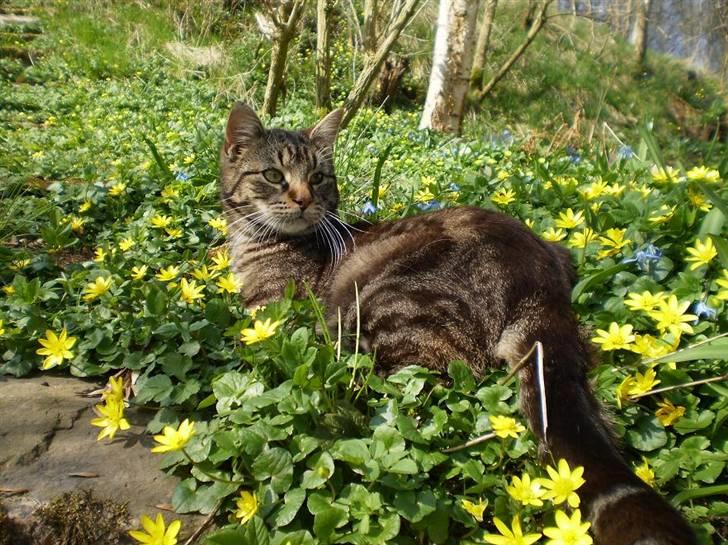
x: 75, y: 518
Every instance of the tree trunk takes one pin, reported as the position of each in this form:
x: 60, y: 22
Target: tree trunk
x: 452, y: 60
x: 639, y: 36
x: 537, y: 25
x: 323, y: 58
x: 279, y: 53
x: 373, y: 64
x: 369, y: 33
x: 481, y: 48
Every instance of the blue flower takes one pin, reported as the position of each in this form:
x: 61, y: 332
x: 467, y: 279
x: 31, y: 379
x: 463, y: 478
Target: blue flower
x: 369, y: 208
x: 372, y: 149
x: 182, y: 176
x: 702, y: 311
x: 645, y: 257
x: 573, y: 155
x: 625, y: 152
x: 429, y: 205
x: 454, y: 187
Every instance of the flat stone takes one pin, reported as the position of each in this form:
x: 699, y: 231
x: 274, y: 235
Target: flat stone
x: 48, y: 446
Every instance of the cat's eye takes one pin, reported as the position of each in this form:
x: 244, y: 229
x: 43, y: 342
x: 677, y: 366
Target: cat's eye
x: 317, y: 178
x: 273, y: 175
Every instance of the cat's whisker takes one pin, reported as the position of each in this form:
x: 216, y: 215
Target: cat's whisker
x: 337, y: 238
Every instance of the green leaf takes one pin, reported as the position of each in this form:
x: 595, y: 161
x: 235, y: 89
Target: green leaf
x: 351, y: 451
x: 157, y: 388
x: 597, y: 278
x: 462, y: 376
x: 415, y: 506
x: 158, y: 158
x: 712, y: 223
x: 275, y: 464
x: 217, y: 312
x: 692, y: 424
x: 226, y: 536
x: 322, y: 468
x: 326, y: 521
x: 647, y: 435
x: 156, y: 300
x: 405, y: 466
x: 189, y: 349
x: 292, y: 503
x: 721, y: 246
x: 714, y: 350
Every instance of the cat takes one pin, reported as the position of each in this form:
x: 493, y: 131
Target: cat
x: 459, y: 283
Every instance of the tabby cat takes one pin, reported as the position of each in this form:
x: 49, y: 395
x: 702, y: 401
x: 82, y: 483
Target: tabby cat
x: 462, y: 283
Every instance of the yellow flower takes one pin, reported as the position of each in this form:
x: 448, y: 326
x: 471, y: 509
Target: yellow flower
x: 503, y: 197
x: 664, y: 175
x: 189, y: 159
x: 174, y: 232
x: 155, y: 532
x: 2, y: 329
x: 117, y: 189
x: 582, y: 238
x: 614, y: 240
x: 219, y: 224
x: 114, y: 389
x: 570, y: 219
x: 221, y: 260
x: 615, y: 189
x: 698, y: 200
x: 643, y: 383
x: 174, y: 439
x: 111, y: 419
x: 190, y: 291
x: 503, y: 175
x: 594, y: 190
x: 526, y: 491
x: 529, y: 223
x: 19, y: 264
x: 622, y: 391
x: 9, y: 290
x: 568, y: 531
x: 160, y: 221
x: 56, y: 348
x: 167, y: 274
x: 100, y: 255
x: 138, y: 273
x: 169, y: 192
x: 247, y: 506
x: 510, y: 536
x: 705, y: 174
x: 644, y: 301
x: 96, y: 288
x: 126, y: 244
x: 645, y: 472
x: 663, y: 214
x: 701, y: 254
x: 671, y: 316
x: 77, y: 224
x: 722, y: 282
x: 668, y: 413
x: 475, y: 509
x: 259, y: 332
x: 649, y: 346
x: 203, y: 274
x: 505, y: 426
x: 424, y: 195
x: 563, y: 484
x: 553, y: 235
x: 617, y: 338
x: 85, y: 206
x: 228, y: 284
x: 255, y: 310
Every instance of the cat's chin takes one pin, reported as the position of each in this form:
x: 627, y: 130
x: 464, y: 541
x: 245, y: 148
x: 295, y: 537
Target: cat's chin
x: 297, y: 226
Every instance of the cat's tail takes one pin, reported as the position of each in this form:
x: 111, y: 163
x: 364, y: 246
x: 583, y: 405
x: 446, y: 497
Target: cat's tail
x: 623, y: 510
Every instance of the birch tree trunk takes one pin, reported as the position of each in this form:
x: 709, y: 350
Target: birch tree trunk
x: 639, y: 36
x: 369, y: 32
x: 285, y: 27
x: 323, y: 58
x: 481, y: 47
x: 452, y: 60
x: 373, y: 64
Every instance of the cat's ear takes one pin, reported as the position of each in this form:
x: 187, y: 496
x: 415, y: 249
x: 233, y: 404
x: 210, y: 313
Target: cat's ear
x: 243, y: 128
x: 323, y: 134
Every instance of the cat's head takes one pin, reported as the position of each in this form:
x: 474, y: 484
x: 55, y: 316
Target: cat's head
x: 277, y: 181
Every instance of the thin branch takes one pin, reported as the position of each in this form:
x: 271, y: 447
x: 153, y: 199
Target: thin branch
x: 520, y: 365
x: 205, y: 523
x: 683, y: 385
x: 471, y: 443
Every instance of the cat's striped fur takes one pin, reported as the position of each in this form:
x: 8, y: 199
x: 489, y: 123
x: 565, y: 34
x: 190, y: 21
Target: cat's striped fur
x: 461, y: 283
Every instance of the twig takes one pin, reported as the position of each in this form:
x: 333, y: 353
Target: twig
x: 520, y: 365
x: 471, y: 443
x: 683, y: 385
x: 205, y: 523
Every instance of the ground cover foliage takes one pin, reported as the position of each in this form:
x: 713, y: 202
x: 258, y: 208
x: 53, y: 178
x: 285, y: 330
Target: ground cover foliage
x: 113, y: 242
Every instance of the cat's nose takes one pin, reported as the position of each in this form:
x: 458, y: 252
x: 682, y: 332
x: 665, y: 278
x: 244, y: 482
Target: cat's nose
x: 301, y: 198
